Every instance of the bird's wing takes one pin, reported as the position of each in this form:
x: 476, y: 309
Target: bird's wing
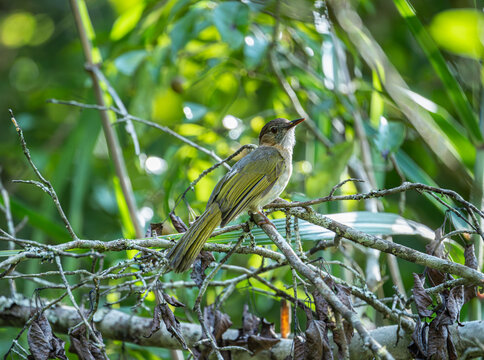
x: 247, y: 182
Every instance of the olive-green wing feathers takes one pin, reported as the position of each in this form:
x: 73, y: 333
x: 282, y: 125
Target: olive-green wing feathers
x: 247, y: 182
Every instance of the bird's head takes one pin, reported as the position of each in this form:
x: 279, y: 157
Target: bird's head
x: 279, y: 131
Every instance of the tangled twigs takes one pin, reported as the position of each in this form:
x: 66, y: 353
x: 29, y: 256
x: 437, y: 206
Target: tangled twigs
x: 203, y: 288
x: 326, y: 292
x: 137, y: 276
x: 10, y: 226
x: 121, y: 245
x: 99, y: 342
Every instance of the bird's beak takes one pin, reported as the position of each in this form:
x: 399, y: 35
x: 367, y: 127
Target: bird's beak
x: 295, y: 122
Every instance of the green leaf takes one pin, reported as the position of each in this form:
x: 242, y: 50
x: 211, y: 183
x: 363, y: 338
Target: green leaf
x: 129, y: 62
x: 459, y: 31
x: 456, y: 134
x: 412, y: 170
x: 389, y: 137
x: 448, y: 29
x: 7, y: 253
x: 38, y: 220
x: 178, y: 6
x: 452, y: 134
x: 328, y: 170
x: 127, y: 21
x: 377, y: 106
x: 187, y: 28
x: 415, y: 174
x: 458, y: 222
x: 230, y: 18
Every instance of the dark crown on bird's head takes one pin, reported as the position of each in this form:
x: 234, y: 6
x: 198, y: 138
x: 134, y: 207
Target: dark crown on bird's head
x: 275, y: 131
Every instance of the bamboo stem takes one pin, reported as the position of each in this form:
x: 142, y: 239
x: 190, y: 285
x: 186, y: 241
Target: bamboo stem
x: 109, y: 133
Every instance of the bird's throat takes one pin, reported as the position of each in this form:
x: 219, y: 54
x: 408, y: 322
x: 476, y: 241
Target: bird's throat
x: 285, y: 151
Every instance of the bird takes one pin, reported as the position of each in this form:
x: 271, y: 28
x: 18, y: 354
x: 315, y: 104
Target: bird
x: 254, y: 181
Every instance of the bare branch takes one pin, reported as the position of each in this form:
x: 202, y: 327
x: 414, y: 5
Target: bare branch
x: 118, y: 325
x: 398, y: 250
x: 44, y: 183
x: 406, y: 186
x: 99, y: 343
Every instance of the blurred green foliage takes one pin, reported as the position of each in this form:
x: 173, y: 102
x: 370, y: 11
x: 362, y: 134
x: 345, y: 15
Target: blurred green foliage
x: 202, y: 69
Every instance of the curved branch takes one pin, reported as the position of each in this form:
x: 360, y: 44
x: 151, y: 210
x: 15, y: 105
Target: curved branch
x: 406, y: 186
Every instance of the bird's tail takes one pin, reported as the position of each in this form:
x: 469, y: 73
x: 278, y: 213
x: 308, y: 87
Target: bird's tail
x: 183, y: 254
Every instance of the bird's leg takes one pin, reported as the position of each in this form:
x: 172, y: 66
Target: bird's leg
x: 263, y: 219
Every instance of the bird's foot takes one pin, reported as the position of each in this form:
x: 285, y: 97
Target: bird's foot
x: 263, y: 219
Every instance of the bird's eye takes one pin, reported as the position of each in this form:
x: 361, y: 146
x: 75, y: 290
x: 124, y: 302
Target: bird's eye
x: 273, y: 130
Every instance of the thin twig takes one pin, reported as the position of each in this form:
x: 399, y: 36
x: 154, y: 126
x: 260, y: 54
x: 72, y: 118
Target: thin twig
x: 212, y: 168
x: 44, y: 182
x: 326, y: 292
x: 406, y: 186
x: 165, y: 129
x: 309, y: 123
x: 203, y: 288
x: 337, y: 186
x: 98, y: 341
x: 10, y: 227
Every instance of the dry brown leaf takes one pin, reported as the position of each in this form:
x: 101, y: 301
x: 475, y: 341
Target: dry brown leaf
x: 43, y: 343
x: 299, y: 348
x: 435, y: 248
x: 422, y: 299
x: 156, y: 229
x: 470, y: 291
x: 257, y: 343
x: 317, y: 342
x: 250, y: 323
x: 203, y: 260
x: 216, y: 320
x: 172, y: 301
x: 418, y: 346
x: 83, y: 347
x: 178, y: 223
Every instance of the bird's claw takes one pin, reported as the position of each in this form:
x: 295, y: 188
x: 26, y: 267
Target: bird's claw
x: 264, y: 220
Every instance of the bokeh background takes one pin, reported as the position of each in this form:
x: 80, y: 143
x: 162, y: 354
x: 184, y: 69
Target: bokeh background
x: 203, y: 69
